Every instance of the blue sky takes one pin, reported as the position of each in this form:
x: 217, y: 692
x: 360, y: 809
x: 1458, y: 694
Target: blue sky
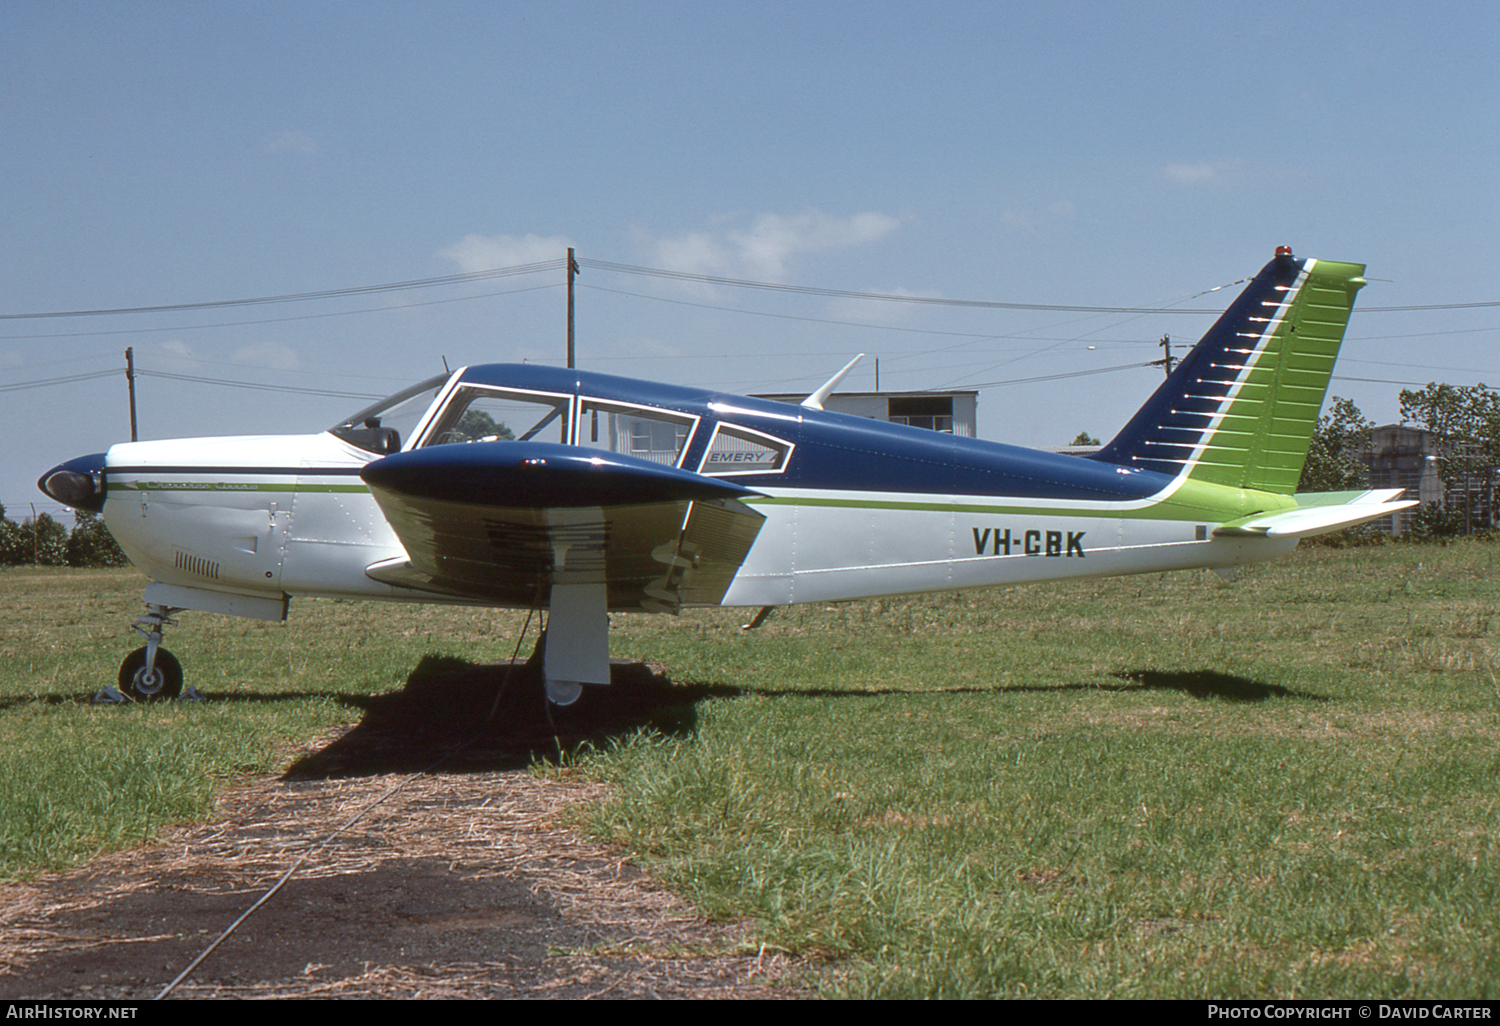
x: 1092, y: 154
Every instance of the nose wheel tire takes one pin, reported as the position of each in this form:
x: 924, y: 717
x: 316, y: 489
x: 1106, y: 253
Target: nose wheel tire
x: 162, y: 684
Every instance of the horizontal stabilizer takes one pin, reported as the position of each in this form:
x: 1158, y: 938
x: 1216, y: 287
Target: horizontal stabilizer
x: 1319, y: 514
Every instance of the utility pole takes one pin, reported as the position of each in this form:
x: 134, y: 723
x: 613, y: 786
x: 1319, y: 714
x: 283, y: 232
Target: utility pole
x: 572, y: 273
x: 1166, y: 361
x: 130, y: 382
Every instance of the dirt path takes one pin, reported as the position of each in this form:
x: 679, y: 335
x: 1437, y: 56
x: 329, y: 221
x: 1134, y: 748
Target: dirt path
x: 458, y: 885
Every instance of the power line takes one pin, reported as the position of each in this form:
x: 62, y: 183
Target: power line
x: 789, y: 317
x: 1431, y: 306
x: 1059, y: 377
x: 1422, y: 366
x: 283, y: 320
x: 258, y: 387
x: 707, y: 279
x: 1381, y: 381
x: 67, y: 380
x: 299, y: 297
x: 21, y: 386
x: 811, y: 290
x: 552, y: 265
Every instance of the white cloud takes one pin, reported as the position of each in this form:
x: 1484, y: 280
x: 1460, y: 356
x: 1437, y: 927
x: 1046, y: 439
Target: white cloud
x: 698, y: 253
x: 268, y: 354
x: 487, y: 252
x: 299, y: 143
x: 763, y: 248
x: 1203, y: 171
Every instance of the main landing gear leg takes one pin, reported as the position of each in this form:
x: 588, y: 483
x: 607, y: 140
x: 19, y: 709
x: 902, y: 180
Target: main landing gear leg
x: 149, y: 674
x: 575, y: 649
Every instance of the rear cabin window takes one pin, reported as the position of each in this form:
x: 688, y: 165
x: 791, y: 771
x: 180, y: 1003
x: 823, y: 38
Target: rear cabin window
x: 736, y: 450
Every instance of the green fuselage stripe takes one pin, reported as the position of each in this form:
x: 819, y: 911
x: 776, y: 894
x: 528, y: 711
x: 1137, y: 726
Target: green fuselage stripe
x: 1191, y: 501
x: 233, y: 486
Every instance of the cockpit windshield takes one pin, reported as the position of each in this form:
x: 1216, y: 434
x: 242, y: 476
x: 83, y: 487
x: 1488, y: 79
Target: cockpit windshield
x: 482, y: 413
x: 382, y: 427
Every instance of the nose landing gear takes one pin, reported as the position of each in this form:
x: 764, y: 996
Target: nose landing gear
x: 150, y: 683
x: 149, y: 674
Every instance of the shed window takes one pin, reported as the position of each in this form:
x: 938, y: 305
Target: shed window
x: 933, y: 412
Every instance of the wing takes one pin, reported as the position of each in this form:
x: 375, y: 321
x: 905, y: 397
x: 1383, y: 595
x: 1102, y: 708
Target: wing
x: 502, y: 522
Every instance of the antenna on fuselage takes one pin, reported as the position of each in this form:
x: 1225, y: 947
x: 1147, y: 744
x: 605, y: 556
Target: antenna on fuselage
x: 815, y: 401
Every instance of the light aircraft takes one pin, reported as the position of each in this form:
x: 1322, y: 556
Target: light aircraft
x: 584, y: 494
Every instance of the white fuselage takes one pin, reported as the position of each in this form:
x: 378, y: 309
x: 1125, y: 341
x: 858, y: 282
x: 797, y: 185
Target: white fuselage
x: 274, y: 516
x: 250, y: 515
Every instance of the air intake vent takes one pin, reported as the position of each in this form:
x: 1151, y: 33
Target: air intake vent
x: 197, y: 565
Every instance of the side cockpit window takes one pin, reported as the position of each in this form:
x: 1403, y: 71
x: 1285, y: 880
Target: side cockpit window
x: 477, y: 414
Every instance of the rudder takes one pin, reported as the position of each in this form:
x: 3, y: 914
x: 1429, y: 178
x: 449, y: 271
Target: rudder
x: 1241, y: 407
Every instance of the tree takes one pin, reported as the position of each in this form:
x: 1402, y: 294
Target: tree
x: 12, y: 542
x: 1084, y: 438
x: 91, y: 544
x: 476, y: 426
x: 43, y: 542
x: 1333, y: 459
x: 1465, y: 422
x: 1456, y: 412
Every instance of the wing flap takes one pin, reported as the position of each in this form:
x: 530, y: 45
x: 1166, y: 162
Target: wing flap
x: 504, y: 521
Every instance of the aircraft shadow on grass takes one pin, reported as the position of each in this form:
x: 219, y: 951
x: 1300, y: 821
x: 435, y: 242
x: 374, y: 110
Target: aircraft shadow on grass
x: 1210, y: 684
x: 469, y: 717
x: 476, y: 717
x: 458, y: 716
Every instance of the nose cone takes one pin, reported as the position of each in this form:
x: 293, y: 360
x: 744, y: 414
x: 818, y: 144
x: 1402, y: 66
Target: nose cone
x: 78, y: 483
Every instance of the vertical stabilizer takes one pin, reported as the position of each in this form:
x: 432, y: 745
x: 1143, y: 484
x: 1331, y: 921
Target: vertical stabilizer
x: 1241, y: 407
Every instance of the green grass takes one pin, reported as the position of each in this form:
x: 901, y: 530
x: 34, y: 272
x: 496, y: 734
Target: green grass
x: 1163, y: 786
x: 78, y: 778
x: 1167, y: 786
